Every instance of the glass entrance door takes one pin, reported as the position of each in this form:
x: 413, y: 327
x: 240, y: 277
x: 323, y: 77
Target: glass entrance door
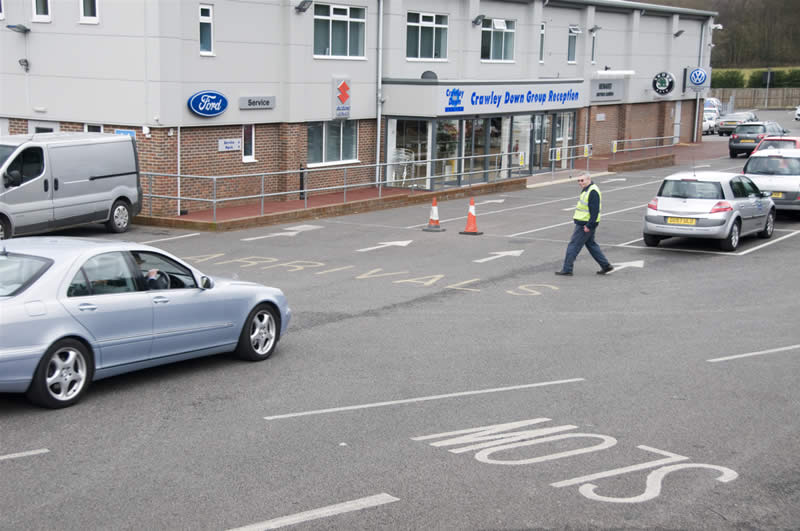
x: 475, y: 146
x: 542, y: 140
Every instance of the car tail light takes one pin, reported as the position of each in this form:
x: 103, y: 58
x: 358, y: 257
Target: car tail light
x: 653, y: 204
x: 734, y: 136
x: 762, y: 135
x: 721, y: 206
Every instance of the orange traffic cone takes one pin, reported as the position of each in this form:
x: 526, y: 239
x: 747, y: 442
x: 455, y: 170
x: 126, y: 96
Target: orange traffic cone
x: 433, y: 224
x: 472, y: 224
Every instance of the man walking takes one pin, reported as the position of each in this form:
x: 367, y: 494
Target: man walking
x: 586, y: 218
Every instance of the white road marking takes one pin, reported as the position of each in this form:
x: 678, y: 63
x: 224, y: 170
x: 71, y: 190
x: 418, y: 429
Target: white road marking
x: 381, y: 245
x: 623, y: 265
x: 491, y: 201
x: 24, y: 454
x: 499, y: 254
x: 322, y: 512
x: 630, y: 242
x: 614, y: 180
x: 421, y: 399
x: 292, y: 231
x: 570, y: 222
x: 795, y: 233
x: 758, y: 353
x: 173, y: 238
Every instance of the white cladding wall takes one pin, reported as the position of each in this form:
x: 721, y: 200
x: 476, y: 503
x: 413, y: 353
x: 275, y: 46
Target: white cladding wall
x: 141, y: 63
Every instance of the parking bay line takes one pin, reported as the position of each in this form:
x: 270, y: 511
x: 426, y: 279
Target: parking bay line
x: 322, y: 512
x: 24, y: 454
x: 172, y: 238
x: 421, y: 399
x: 751, y: 354
x: 570, y: 222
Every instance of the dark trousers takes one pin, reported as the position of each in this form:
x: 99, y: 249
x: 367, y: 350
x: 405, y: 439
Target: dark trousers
x: 576, y: 243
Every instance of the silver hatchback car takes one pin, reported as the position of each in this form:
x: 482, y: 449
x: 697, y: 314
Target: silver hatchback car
x: 76, y: 310
x: 714, y: 205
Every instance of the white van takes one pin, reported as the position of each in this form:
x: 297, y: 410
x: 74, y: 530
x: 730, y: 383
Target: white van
x: 57, y: 180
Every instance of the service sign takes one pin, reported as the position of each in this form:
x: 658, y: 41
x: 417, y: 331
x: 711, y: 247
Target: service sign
x: 489, y: 98
x: 247, y: 103
x: 229, y: 144
x: 208, y: 103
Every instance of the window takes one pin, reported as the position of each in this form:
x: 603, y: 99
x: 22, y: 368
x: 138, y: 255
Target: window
x: 332, y: 141
x: 30, y: 164
x: 206, y: 29
x: 89, y: 14
x: 572, y: 42
x: 103, y: 274
x: 497, y: 40
x: 594, y: 47
x: 92, y: 128
x: 41, y: 11
x: 541, y: 43
x: 18, y: 271
x: 2, y: 15
x: 339, y: 31
x: 426, y: 36
x: 248, y: 141
x: 179, y: 276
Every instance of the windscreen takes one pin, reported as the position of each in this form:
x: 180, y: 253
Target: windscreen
x: 18, y: 271
x: 5, y: 152
x: 750, y: 129
x: 773, y: 166
x: 691, y: 189
x: 777, y: 144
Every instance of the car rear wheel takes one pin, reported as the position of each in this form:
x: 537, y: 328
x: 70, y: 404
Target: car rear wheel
x: 120, y: 219
x: 260, y: 334
x: 62, y: 376
x: 732, y: 153
x: 769, y: 226
x: 719, y: 133
x: 5, y: 229
x: 650, y: 240
x: 732, y: 241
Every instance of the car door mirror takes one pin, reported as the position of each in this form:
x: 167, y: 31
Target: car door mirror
x: 766, y: 193
x: 206, y: 282
x: 13, y: 178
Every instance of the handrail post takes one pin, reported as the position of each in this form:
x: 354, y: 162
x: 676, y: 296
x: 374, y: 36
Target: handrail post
x: 151, y: 195
x: 381, y: 173
x: 262, y: 194
x: 345, y: 185
x: 215, y: 199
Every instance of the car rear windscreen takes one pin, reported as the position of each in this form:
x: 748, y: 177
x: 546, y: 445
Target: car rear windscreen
x: 750, y: 129
x: 18, y: 271
x: 773, y: 166
x: 691, y: 189
x: 777, y: 144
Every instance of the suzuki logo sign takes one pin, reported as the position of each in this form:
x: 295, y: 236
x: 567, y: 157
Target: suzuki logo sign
x: 341, y: 99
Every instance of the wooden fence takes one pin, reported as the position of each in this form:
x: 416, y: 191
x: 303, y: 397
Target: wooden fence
x: 758, y: 98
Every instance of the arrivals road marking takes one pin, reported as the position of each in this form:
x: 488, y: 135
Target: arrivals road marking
x: 571, y: 222
x: 759, y: 353
x: 381, y: 245
x: 172, y: 238
x: 322, y: 512
x: 24, y: 454
x: 499, y: 254
x: 421, y: 399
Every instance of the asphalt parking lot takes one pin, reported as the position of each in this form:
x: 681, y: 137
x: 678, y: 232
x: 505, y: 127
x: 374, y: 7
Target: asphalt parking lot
x: 445, y: 381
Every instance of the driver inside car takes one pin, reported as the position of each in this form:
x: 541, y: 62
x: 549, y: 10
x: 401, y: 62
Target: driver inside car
x: 154, y: 279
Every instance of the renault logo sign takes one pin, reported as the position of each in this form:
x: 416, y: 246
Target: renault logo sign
x: 663, y: 83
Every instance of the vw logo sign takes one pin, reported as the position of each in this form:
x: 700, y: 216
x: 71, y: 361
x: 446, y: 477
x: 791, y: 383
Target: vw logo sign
x: 208, y: 103
x: 698, y: 76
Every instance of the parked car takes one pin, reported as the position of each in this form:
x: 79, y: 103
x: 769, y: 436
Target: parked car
x: 713, y: 103
x: 797, y: 113
x: 777, y: 170
x: 745, y: 137
x: 715, y: 205
x: 778, y: 142
x: 57, y: 180
x: 728, y: 122
x: 709, y: 123
x: 77, y: 310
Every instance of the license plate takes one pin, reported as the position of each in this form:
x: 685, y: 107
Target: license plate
x: 746, y: 140
x: 682, y: 221
x: 777, y: 195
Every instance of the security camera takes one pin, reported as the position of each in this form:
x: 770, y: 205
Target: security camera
x: 716, y: 26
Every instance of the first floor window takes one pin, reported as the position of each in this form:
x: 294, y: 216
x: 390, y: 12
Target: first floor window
x: 339, y: 31
x: 93, y: 128
x: 248, y: 141
x: 572, y: 42
x: 332, y: 141
x: 541, y: 43
x: 497, y: 40
x: 426, y: 36
x: 2, y: 16
x: 41, y: 11
x: 89, y: 12
x: 206, y: 29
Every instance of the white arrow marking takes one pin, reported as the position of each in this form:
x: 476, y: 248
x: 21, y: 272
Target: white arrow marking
x: 385, y: 244
x: 499, y: 254
x: 491, y: 201
x: 293, y: 231
x: 623, y: 265
x: 614, y: 180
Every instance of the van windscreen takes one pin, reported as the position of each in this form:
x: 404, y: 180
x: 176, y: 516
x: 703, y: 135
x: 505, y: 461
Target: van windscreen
x: 5, y: 152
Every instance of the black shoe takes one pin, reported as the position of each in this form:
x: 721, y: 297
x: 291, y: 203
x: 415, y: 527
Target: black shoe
x: 564, y: 273
x: 605, y: 270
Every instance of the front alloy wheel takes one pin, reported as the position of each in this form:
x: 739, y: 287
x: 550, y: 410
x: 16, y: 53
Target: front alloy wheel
x: 63, y: 375
x: 259, y: 334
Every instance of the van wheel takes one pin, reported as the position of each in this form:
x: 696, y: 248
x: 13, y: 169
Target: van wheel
x: 120, y: 218
x: 5, y: 229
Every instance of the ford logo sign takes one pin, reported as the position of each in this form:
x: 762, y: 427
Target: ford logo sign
x: 208, y: 103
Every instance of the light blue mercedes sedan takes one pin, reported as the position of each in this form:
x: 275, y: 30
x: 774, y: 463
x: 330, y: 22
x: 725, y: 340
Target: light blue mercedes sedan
x: 76, y: 310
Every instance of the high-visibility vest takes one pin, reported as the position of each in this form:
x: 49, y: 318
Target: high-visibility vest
x: 582, y: 208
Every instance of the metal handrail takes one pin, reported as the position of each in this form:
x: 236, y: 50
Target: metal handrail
x: 615, y: 144
x: 496, y: 170
x: 557, y: 154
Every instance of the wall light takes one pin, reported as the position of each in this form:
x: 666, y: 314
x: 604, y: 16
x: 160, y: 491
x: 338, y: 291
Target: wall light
x: 478, y: 20
x: 303, y: 6
x: 19, y: 28
x: 595, y: 28
x: 678, y: 33
x: 716, y: 26
x: 24, y: 64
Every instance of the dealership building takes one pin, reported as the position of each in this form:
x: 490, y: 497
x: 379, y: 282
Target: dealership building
x: 224, y: 87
